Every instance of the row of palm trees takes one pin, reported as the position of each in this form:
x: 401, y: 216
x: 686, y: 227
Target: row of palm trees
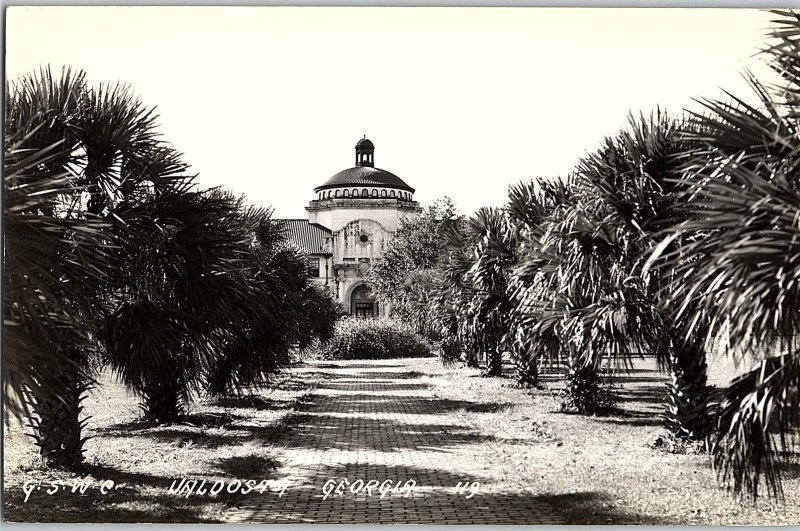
x: 677, y: 234
x: 114, y: 257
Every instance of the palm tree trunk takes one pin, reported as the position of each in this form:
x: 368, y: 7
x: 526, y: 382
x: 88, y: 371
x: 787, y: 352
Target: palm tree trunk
x: 584, y: 393
x: 687, y: 414
x: 472, y: 358
x: 58, y: 426
x: 163, y: 402
x: 527, y: 372
x: 218, y: 379
x: 495, y: 362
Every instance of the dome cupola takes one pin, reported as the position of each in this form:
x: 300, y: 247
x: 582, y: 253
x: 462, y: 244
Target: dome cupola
x: 365, y: 152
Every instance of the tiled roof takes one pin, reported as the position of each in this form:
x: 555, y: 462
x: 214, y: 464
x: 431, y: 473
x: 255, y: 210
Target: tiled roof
x: 308, y: 238
x: 365, y: 176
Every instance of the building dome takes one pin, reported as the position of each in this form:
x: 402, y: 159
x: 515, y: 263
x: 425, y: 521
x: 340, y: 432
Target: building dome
x: 365, y: 176
x: 364, y: 173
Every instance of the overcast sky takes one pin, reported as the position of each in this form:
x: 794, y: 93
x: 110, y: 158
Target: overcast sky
x: 458, y: 101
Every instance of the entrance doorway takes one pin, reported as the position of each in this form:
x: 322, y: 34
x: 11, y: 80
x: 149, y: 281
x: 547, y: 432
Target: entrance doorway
x: 362, y: 302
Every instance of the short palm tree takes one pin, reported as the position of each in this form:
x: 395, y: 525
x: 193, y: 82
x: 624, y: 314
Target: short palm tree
x: 740, y: 262
x: 490, y: 304
x: 56, y: 260
x: 583, y: 292
x: 529, y: 208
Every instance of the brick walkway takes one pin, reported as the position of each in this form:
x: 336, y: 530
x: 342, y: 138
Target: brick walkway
x: 379, y: 421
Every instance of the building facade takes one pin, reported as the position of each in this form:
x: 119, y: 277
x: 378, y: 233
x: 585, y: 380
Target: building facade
x: 351, y: 221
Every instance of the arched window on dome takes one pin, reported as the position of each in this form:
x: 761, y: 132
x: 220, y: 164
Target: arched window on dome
x: 383, y: 193
x: 364, y: 193
x: 329, y: 194
x: 392, y: 194
x: 355, y: 192
x: 337, y: 193
x: 346, y: 193
x: 374, y: 192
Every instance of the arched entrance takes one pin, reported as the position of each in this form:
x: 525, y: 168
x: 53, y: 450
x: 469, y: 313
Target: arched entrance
x: 362, y: 302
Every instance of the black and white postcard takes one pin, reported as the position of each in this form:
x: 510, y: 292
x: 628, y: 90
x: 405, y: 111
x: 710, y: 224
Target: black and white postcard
x: 401, y: 265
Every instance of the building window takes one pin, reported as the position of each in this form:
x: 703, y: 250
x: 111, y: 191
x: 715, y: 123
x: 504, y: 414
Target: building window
x: 337, y: 193
x: 364, y: 309
x: 346, y: 193
x: 383, y: 193
x: 374, y: 193
x: 348, y: 259
x: 364, y: 193
x: 312, y: 267
x: 355, y: 192
x: 392, y: 194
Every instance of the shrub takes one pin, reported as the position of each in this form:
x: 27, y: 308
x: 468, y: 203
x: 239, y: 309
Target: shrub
x: 587, y: 392
x: 374, y: 339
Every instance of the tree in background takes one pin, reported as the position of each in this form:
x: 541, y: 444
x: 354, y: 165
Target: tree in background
x: 406, y: 274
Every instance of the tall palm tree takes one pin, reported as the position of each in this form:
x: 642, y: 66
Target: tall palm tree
x: 86, y: 160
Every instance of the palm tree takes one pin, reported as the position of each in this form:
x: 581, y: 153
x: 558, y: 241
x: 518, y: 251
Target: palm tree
x: 114, y: 256
x: 451, y: 302
x: 583, y: 292
x: 529, y: 208
x: 181, y: 279
x: 740, y: 261
x: 290, y: 312
x: 56, y: 260
x: 490, y: 304
x: 92, y: 196
x: 636, y: 179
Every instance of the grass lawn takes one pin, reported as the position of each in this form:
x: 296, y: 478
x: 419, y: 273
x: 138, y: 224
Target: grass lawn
x: 602, y: 470
x: 593, y: 469
x: 226, y: 439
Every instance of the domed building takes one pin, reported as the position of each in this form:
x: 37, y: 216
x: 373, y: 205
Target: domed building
x: 355, y: 214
